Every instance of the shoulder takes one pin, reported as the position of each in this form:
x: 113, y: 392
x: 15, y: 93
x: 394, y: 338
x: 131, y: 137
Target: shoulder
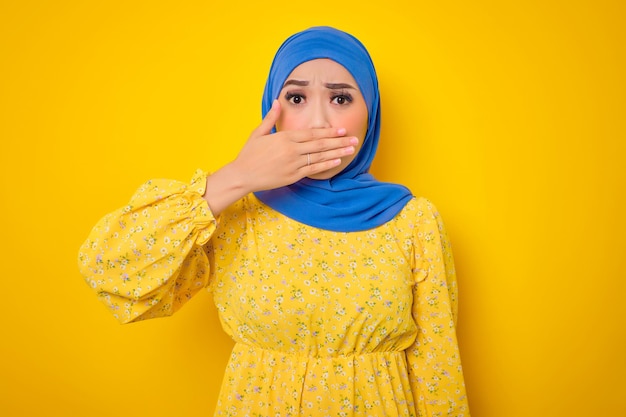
x: 417, y: 211
x: 416, y: 219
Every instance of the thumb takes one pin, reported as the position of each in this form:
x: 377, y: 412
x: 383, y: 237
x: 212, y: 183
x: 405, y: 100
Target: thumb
x: 265, y: 128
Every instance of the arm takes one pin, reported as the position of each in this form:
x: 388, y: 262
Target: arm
x: 272, y: 160
x: 434, y: 361
x: 146, y: 259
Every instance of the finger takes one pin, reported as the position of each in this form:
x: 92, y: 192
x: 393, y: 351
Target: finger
x: 327, y: 144
x: 316, y: 168
x: 308, y: 135
x: 334, y: 154
x: 269, y: 121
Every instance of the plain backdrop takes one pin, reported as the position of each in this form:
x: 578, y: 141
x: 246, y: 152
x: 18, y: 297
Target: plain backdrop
x: 509, y: 116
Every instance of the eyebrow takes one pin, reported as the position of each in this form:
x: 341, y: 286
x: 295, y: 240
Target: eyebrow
x: 339, y: 86
x: 295, y: 82
x: 331, y: 86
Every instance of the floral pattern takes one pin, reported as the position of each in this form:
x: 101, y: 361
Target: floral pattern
x: 325, y: 323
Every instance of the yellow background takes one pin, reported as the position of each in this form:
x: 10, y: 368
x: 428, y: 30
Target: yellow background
x: 510, y: 117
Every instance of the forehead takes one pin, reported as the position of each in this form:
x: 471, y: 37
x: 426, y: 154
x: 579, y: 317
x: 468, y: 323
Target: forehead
x: 323, y: 69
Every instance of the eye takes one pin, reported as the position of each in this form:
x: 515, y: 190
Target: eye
x: 294, y: 98
x: 342, y: 99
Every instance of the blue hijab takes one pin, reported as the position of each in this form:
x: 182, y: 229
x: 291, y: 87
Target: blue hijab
x: 352, y: 200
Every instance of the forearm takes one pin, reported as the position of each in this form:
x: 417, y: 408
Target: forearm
x: 146, y: 259
x: 224, y: 187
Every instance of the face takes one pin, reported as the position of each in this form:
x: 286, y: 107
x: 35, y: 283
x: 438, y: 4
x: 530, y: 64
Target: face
x: 320, y: 94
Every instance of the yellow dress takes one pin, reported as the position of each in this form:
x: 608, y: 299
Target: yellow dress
x: 325, y: 323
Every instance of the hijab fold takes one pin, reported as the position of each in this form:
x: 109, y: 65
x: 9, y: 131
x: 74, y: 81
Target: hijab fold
x: 352, y: 200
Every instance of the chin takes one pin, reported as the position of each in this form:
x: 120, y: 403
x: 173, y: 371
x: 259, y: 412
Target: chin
x: 320, y: 176
x: 326, y: 175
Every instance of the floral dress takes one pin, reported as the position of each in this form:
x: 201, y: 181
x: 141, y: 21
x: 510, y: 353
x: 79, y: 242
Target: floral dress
x: 325, y: 323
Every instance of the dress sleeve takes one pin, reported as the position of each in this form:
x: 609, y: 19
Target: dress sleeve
x: 146, y: 259
x: 434, y: 362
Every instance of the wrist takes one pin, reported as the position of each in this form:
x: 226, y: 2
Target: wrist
x: 224, y: 187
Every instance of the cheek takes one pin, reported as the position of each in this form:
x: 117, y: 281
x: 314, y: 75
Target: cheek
x: 355, y: 120
x: 290, y: 121
x: 356, y: 123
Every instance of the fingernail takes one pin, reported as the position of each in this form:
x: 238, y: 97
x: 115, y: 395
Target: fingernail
x: 354, y: 141
x: 341, y: 131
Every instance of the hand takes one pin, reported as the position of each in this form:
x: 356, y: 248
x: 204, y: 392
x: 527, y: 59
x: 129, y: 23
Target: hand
x: 271, y: 160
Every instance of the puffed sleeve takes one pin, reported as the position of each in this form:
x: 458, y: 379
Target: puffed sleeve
x: 146, y: 259
x: 434, y: 361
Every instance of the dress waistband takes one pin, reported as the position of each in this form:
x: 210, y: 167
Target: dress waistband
x: 244, y: 346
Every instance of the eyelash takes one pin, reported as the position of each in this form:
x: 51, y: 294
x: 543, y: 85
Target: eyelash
x: 290, y: 96
x: 345, y: 96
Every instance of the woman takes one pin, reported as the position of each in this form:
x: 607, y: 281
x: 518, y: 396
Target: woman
x: 338, y: 290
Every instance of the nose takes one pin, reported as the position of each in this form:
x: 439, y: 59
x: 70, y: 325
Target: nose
x: 319, y: 117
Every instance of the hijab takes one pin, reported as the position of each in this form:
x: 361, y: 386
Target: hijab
x: 353, y: 200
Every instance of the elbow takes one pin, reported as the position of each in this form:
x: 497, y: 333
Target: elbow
x: 125, y: 309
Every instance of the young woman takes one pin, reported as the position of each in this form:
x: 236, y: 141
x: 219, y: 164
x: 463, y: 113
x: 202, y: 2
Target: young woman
x: 339, y: 290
